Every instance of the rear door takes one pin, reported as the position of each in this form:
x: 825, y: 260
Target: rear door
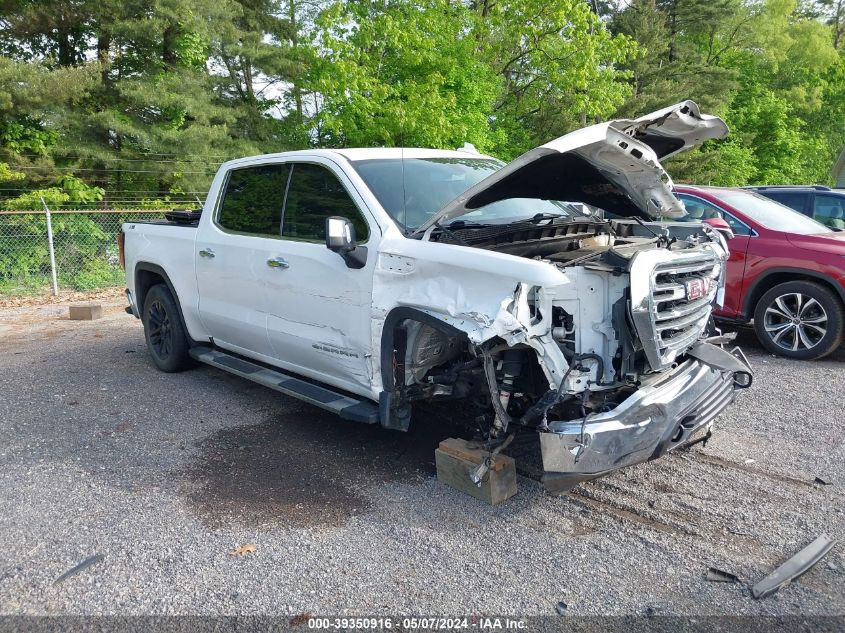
x: 233, y: 255
x: 318, y: 309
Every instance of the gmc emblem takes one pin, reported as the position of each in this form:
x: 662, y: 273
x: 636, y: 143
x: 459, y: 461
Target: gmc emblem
x: 697, y: 288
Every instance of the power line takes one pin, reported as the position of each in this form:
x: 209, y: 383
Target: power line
x: 173, y: 155
x: 132, y: 191
x: 130, y: 160
x: 111, y: 171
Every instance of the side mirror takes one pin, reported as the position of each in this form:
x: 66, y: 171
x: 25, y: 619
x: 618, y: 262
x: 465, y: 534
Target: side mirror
x: 340, y: 238
x: 340, y: 235
x: 720, y: 225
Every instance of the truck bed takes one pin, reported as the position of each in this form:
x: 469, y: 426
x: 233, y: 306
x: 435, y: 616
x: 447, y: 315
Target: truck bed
x: 175, y: 217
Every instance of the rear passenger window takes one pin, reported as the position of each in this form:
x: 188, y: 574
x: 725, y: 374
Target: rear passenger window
x: 315, y: 194
x: 253, y: 200
x: 830, y: 210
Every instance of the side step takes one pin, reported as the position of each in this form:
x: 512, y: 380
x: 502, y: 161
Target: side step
x: 347, y: 407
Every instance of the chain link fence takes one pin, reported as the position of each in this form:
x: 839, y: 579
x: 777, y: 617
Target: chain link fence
x: 84, y: 244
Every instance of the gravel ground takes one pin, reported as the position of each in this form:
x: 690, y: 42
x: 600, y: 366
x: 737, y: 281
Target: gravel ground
x: 165, y: 475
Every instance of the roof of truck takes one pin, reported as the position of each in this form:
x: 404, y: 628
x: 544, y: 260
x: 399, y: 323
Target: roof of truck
x: 367, y: 153
x: 370, y: 153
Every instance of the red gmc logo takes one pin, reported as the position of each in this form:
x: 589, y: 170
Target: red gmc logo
x: 697, y: 288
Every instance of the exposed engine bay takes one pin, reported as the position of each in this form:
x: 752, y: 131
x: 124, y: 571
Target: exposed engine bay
x: 609, y: 331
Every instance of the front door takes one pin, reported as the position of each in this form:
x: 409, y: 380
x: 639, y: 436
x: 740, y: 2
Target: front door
x: 233, y: 251
x: 318, y: 309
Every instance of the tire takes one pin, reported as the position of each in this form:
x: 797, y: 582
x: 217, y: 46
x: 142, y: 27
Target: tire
x: 799, y: 319
x: 167, y: 342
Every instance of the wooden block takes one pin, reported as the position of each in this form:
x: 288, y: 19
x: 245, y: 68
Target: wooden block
x: 85, y: 311
x: 455, y: 460
x: 466, y: 450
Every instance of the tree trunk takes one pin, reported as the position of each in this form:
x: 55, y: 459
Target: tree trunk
x: 248, y: 85
x: 103, y: 47
x: 673, y: 30
x: 168, y: 48
x: 65, y: 50
x: 294, y: 28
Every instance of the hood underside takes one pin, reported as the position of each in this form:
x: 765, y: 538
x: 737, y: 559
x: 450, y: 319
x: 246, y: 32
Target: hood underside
x: 613, y: 165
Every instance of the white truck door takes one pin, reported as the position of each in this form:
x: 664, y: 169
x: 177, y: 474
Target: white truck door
x: 318, y: 309
x: 233, y: 251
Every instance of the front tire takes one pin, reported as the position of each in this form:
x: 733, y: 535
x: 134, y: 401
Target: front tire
x: 167, y: 342
x: 799, y: 319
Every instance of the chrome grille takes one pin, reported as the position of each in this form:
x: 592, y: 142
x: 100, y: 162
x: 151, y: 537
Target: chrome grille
x: 667, y: 321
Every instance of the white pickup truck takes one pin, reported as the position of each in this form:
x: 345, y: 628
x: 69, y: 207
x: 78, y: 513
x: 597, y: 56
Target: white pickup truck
x: 544, y: 294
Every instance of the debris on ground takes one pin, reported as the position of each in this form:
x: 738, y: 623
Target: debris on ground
x: 794, y: 567
x: 822, y: 482
x: 561, y: 607
x: 64, y: 296
x: 715, y: 574
x: 241, y: 550
x: 738, y: 532
x: 96, y: 558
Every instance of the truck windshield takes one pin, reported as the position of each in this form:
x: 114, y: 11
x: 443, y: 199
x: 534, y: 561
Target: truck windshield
x: 770, y: 214
x: 413, y: 192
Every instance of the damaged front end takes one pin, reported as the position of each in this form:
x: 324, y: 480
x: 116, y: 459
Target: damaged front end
x: 612, y: 365
x: 605, y: 345
x: 665, y: 412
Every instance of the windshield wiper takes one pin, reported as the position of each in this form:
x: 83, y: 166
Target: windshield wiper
x: 448, y: 231
x: 535, y: 219
x: 539, y: 217
x: 459, y: 224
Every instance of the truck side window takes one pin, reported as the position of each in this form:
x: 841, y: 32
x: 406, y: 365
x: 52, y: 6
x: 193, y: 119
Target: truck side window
x: 253, y: 200
x: 315, y: 194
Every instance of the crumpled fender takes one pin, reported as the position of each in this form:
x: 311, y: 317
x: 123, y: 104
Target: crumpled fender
x: 482, y: 293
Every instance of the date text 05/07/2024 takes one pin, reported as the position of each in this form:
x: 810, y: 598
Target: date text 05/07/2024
x: 419, y: 623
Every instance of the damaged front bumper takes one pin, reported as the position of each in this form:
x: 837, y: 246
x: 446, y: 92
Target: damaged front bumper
x: 660, y: 416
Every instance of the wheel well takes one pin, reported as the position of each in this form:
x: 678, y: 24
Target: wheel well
x: 389, y: 332
x: 771, y: 280
x: 144, y: 280
x: 149, y: 275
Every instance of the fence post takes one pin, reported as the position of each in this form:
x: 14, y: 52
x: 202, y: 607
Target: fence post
x: 50, y: 246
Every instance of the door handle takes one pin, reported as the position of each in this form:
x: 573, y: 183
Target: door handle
x: 206, y: 252
x: 278, y: 262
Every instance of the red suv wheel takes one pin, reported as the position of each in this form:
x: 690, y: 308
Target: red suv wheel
x: 799, y: 319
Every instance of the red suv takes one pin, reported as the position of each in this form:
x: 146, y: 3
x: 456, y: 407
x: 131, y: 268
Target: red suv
x: 785, y: 271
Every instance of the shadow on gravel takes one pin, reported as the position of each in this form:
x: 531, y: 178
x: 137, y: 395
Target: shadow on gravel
x: 306, y: 468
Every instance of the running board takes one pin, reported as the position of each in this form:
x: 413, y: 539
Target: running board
x: 346, y: 407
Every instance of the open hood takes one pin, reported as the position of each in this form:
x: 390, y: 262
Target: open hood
x: 613, y: 165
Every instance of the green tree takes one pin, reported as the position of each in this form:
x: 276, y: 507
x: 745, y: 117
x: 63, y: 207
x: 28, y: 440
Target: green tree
x: 401, y: 73
x: 505, y: 76
x: 559, y: 67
